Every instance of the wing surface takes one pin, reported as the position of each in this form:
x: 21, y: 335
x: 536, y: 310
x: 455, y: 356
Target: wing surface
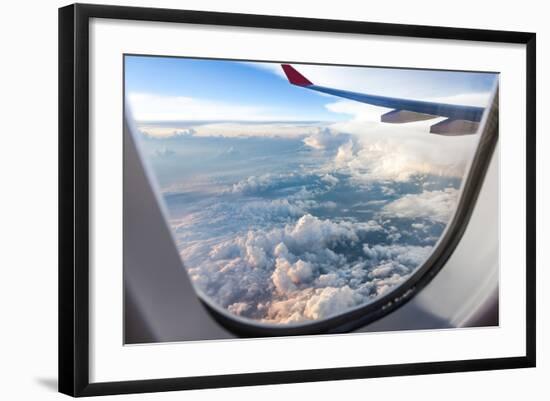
x: 460, y: 119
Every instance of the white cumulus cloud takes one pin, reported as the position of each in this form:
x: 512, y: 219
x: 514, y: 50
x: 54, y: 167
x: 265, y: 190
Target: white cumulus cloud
x: 294, y: 272
x: 434, y: 205
x: 325, y: 138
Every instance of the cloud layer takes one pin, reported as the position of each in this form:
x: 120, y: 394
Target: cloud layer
x: 261, y: 253
x: 433, y: 205
x: 298, y: 272
x: 342, y: 216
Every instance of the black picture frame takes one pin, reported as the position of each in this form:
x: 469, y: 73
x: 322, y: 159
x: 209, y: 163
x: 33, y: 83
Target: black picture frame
x: 74, y: 198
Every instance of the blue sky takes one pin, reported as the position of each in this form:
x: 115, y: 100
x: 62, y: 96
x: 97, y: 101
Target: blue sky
x: 222, y: 81
x: 159, y: 87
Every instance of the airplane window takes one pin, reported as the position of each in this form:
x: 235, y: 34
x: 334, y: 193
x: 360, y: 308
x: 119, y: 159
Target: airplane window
x: 296, y: 193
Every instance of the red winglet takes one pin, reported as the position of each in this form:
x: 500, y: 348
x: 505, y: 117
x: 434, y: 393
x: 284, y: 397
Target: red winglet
x: 294, y: 77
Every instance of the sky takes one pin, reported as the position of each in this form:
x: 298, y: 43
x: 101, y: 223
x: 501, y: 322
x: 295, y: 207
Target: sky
x: 287, y: 205
x: 174, y: 88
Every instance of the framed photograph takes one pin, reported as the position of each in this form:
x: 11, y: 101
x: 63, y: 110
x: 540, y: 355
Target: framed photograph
x: 250, y: 199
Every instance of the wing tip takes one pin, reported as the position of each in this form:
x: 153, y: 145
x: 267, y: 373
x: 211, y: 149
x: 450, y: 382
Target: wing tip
x: 294, y: 77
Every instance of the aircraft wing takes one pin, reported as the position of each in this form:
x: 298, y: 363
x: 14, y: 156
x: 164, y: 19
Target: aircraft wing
x: 460, y: 120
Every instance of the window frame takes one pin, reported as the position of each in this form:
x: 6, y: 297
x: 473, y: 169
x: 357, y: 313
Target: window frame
x: 74, y: 190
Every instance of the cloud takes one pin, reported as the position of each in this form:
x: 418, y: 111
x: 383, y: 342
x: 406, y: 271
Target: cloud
x: 241, y: 129
x: 293, y: 186
x: 437, y: 206
x: 408, y: 255
x: 325, y: 138
x: 480, y: 99
x: 367, y: 150
x: 379, y: 151
x: 256, y: 249
x: 330, y: 179
x: 345, y: 154
x: 359, y: 111
x: 384, y: 151
x: 329, y: 301
x: 255, y: 184
x: 287, y: 276
x: 154, y: 107
x: 151, y: 131
x: 299, y: 271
